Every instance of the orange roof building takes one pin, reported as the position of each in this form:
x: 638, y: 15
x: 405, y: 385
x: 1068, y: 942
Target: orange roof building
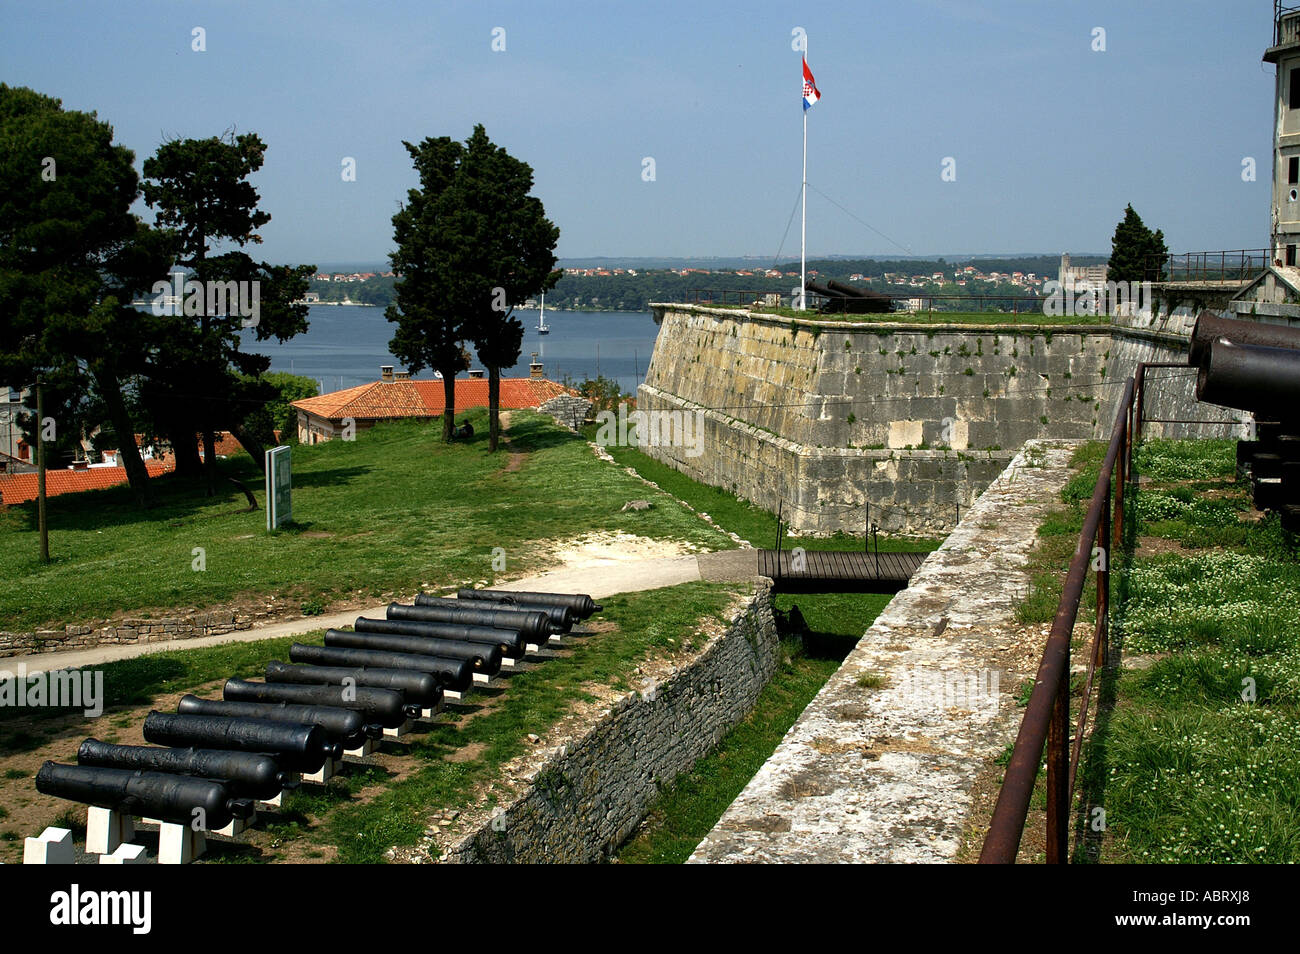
x: 19, y: 488
x: 324, y: 417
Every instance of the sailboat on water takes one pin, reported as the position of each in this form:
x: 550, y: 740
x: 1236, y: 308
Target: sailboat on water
x: 542, y: 328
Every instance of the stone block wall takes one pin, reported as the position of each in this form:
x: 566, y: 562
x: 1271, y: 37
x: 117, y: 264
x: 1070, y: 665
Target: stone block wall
x: 163, y: 629
x: 589, y: 797
x: 821, y: 418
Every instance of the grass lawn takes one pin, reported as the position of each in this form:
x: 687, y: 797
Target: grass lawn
x: 1199, y: 759
x: 393, y: 510
x: 1027, y: 320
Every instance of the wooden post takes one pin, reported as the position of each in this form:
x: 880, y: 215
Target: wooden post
x: 40, y: 472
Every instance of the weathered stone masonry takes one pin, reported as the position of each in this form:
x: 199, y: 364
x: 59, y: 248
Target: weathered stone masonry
x: 819, y: 417
x: 590, y: 796
x: 73, y: 636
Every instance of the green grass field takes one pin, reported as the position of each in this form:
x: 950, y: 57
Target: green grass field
x: 1027, y: 321
x: 393, y: 510
x: 1199, y: 759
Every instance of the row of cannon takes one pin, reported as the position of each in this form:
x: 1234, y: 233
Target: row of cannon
x: 214, y: 760
x: 1255, y: 366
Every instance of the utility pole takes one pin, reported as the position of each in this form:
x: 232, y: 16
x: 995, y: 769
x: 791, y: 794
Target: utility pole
x: 40, y: 472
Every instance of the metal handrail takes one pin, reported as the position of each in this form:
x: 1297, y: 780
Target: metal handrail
x: 1047, y: 717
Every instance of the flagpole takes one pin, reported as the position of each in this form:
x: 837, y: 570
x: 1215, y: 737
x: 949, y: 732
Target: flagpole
x: 803, y: 205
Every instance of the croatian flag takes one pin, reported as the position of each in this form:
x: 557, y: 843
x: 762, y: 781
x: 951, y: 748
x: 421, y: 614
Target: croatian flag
x: 810, y: 92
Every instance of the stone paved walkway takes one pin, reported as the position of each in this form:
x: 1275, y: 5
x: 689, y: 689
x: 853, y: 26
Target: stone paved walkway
x: 879, y: 767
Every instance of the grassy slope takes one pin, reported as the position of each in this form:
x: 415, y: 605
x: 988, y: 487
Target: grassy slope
x: 1188, y: 767
x: 392, y: 510
x: 740, y: 516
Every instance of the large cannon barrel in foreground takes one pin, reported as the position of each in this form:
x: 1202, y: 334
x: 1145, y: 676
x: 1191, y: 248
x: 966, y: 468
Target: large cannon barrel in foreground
x: 246, y: 774
x: 418, y: 688
x: 1250, y: 378
x: 485, y: 659
x: 561, y: 616
x: 383, y: 706
x: 339, y: 728
x: 1210, y: 327
x: 511, y: 642
x: 535, y: 627
x: 580, y: 603
x: 172, y: 798
x: 457, y: 674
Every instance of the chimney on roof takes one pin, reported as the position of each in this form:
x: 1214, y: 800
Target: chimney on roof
x: 402, y: 376
x: 535, y: 370
x: 385, y: 372
x: 477, y: 372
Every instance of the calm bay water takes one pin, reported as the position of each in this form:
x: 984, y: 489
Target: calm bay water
x: 345, y: 345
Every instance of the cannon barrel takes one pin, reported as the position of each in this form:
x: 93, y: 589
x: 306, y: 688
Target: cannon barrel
x: 1250, y: 378
x: 580, y: 603
x: 383, y: 706
x: 171, y: 798
x: 485, y: 659
x: 246, y: 774
x: 561, y: 616
x: 1210, y: 327
x: 535, y: 627
x: 511, y: 642
x: 345, y: 727
x: 419, y: 688
x: 302, y: 747
x: 846, y: 290
x: 457, y: 674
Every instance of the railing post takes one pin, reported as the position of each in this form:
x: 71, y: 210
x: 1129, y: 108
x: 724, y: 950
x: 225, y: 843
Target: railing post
x: 1120, y: 478
x: 1058, y: 772
x: 1103, y: 590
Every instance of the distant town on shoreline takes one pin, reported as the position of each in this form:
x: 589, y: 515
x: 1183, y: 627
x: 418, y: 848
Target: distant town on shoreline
x: 616, y: 284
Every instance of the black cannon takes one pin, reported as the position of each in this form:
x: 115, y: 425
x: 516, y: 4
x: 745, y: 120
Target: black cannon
x: 418, y: 688
x: 561, y: 616
x: 580, y: 603
x: 511, y: 642
x: 1255, y: 378
x: 484, y: 658
x: 340, y: 728
x: 246, y: 774
x: 170, y: 798
x: 455, y: 674
x: 535, y: 627
x: 383, y: 706
x: 846, y: 300
x: 1210, y: 327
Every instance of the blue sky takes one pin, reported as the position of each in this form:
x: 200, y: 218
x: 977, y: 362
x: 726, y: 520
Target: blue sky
x: 1051, y: 138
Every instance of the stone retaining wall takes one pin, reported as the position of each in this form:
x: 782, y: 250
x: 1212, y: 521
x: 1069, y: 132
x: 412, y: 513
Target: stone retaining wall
x: 820, y: 418
x: 163, y: 629
x: 592, y: 793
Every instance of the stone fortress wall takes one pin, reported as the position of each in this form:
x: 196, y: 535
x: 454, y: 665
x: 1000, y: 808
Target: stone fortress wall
x: 820, y: 417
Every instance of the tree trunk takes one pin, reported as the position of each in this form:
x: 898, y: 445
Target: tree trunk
x: 494, y: 405
x: 136, y: 473
x: 186, y: 449
x: 448, y: 404
x: 210, y: 459
x: 251, y: 443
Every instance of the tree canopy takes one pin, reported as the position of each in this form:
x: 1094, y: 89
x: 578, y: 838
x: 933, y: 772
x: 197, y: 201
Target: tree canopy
x: 1136, y: 253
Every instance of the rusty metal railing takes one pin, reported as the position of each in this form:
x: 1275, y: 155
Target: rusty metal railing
x: 1047, y: 717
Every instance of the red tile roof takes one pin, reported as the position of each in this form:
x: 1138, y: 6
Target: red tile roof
x: 424, y: 398
x: 19, y: 488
